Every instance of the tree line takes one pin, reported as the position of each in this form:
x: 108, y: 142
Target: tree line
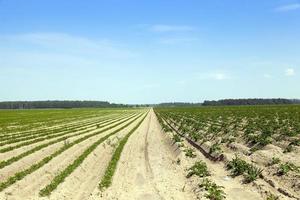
x: 230, y: 102
x: 58, y: 104
x: 178, y: 104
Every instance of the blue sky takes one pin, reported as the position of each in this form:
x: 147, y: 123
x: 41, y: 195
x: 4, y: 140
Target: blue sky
x: 138, y: 51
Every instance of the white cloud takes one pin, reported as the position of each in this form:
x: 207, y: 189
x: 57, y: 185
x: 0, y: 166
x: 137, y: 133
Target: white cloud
x: 66, y: 44
x: 58, y: 50
x: 170, y: 28
x: 182, y: 82
x: 178, y: 40
x: 219, y: 76
x: 151, y: 85
x: 267, y: 76
x: 288, y: 7
x: 290, y: 72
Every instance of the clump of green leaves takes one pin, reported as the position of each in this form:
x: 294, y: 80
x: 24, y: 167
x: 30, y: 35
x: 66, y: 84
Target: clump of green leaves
x: 271, y: 196
x: 274, y: 161
x: 284, y: 168
x: 214, y: 192
x: 252, y: 174
x: 195, y: 136
x: 237, y: 166
x: 198, y: 169
x: 190, y: 153
x: 176, y: 138
x: 215, y: 148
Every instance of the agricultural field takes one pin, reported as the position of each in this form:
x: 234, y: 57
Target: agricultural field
x: 256, y: 147
x: 239, y: 152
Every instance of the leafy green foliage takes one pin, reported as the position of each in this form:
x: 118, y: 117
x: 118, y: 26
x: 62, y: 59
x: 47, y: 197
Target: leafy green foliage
x: 274, y: 161
x: 20, y: 175
x: 284, y: 168
x: 190, y: 153
x: 271, y: 196
x: 258, y: 126
x: 176, y: 138
x: 214, y: 192
x: 67, y: 171
x: 237, y: 166
x: 112, y: 166
x: 215, y: 148
x: 252, y: 174
x: 198, y: 169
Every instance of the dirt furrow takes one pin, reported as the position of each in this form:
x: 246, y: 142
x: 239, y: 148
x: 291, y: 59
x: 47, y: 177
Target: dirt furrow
x: 9, y: 154
x: 39, y: 155
x: 147, y: 169
x: 85, y: 179
x: 41, y: 177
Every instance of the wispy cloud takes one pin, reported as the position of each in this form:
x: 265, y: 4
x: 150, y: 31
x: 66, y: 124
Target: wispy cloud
x: 219, y: 76
x: 288, y: 7
x: 267, y: 76
x: 178, y: 40
x: 170, y: 28
x: 58, y: 50
x: 151, y: 85
x: 70, y: 44
x: 290, y: 72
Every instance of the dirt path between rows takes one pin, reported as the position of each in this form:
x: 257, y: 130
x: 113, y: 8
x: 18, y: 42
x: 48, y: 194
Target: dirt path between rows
x: 9, y: 154
x: 29, y: 187
x: 85, y: 179
x: 27, y: 161
x: 147, y: 168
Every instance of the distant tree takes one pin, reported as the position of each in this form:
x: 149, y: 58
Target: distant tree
x: 57, y: 104
x: 226, y: 102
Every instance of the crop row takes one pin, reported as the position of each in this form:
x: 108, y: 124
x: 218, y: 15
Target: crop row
x: 11, y: 160
x: 20, y: 175
x: 25, y: 143
x: 60, y: 130
x: 112, y: 166
x: 256, y: 126
x: 69, y: 169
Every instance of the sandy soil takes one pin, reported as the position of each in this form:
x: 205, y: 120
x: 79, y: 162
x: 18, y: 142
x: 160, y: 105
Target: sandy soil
x: 28, y: 188
x: 85, y: 179
x: 151, y: 167
x: 39, y: 155
x: 9, y: 154
x: 147, y: 168
x: 234, y: 187
x: 87, y: 125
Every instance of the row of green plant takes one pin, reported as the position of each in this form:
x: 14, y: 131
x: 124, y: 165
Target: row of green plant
x: 256, y: 125
x: 40, y: 136
x: 212, y: 190
x: 47, y: 131
x: 53, y: 128
x: 237, y: 167
x: 68, y: 170
x: 23, y: 121
x: 112, y: 166
x: 11, y: 160
x: 20, y: 175
x: 285, y: 168
x: 199, y: 169
x: 26, y: 143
